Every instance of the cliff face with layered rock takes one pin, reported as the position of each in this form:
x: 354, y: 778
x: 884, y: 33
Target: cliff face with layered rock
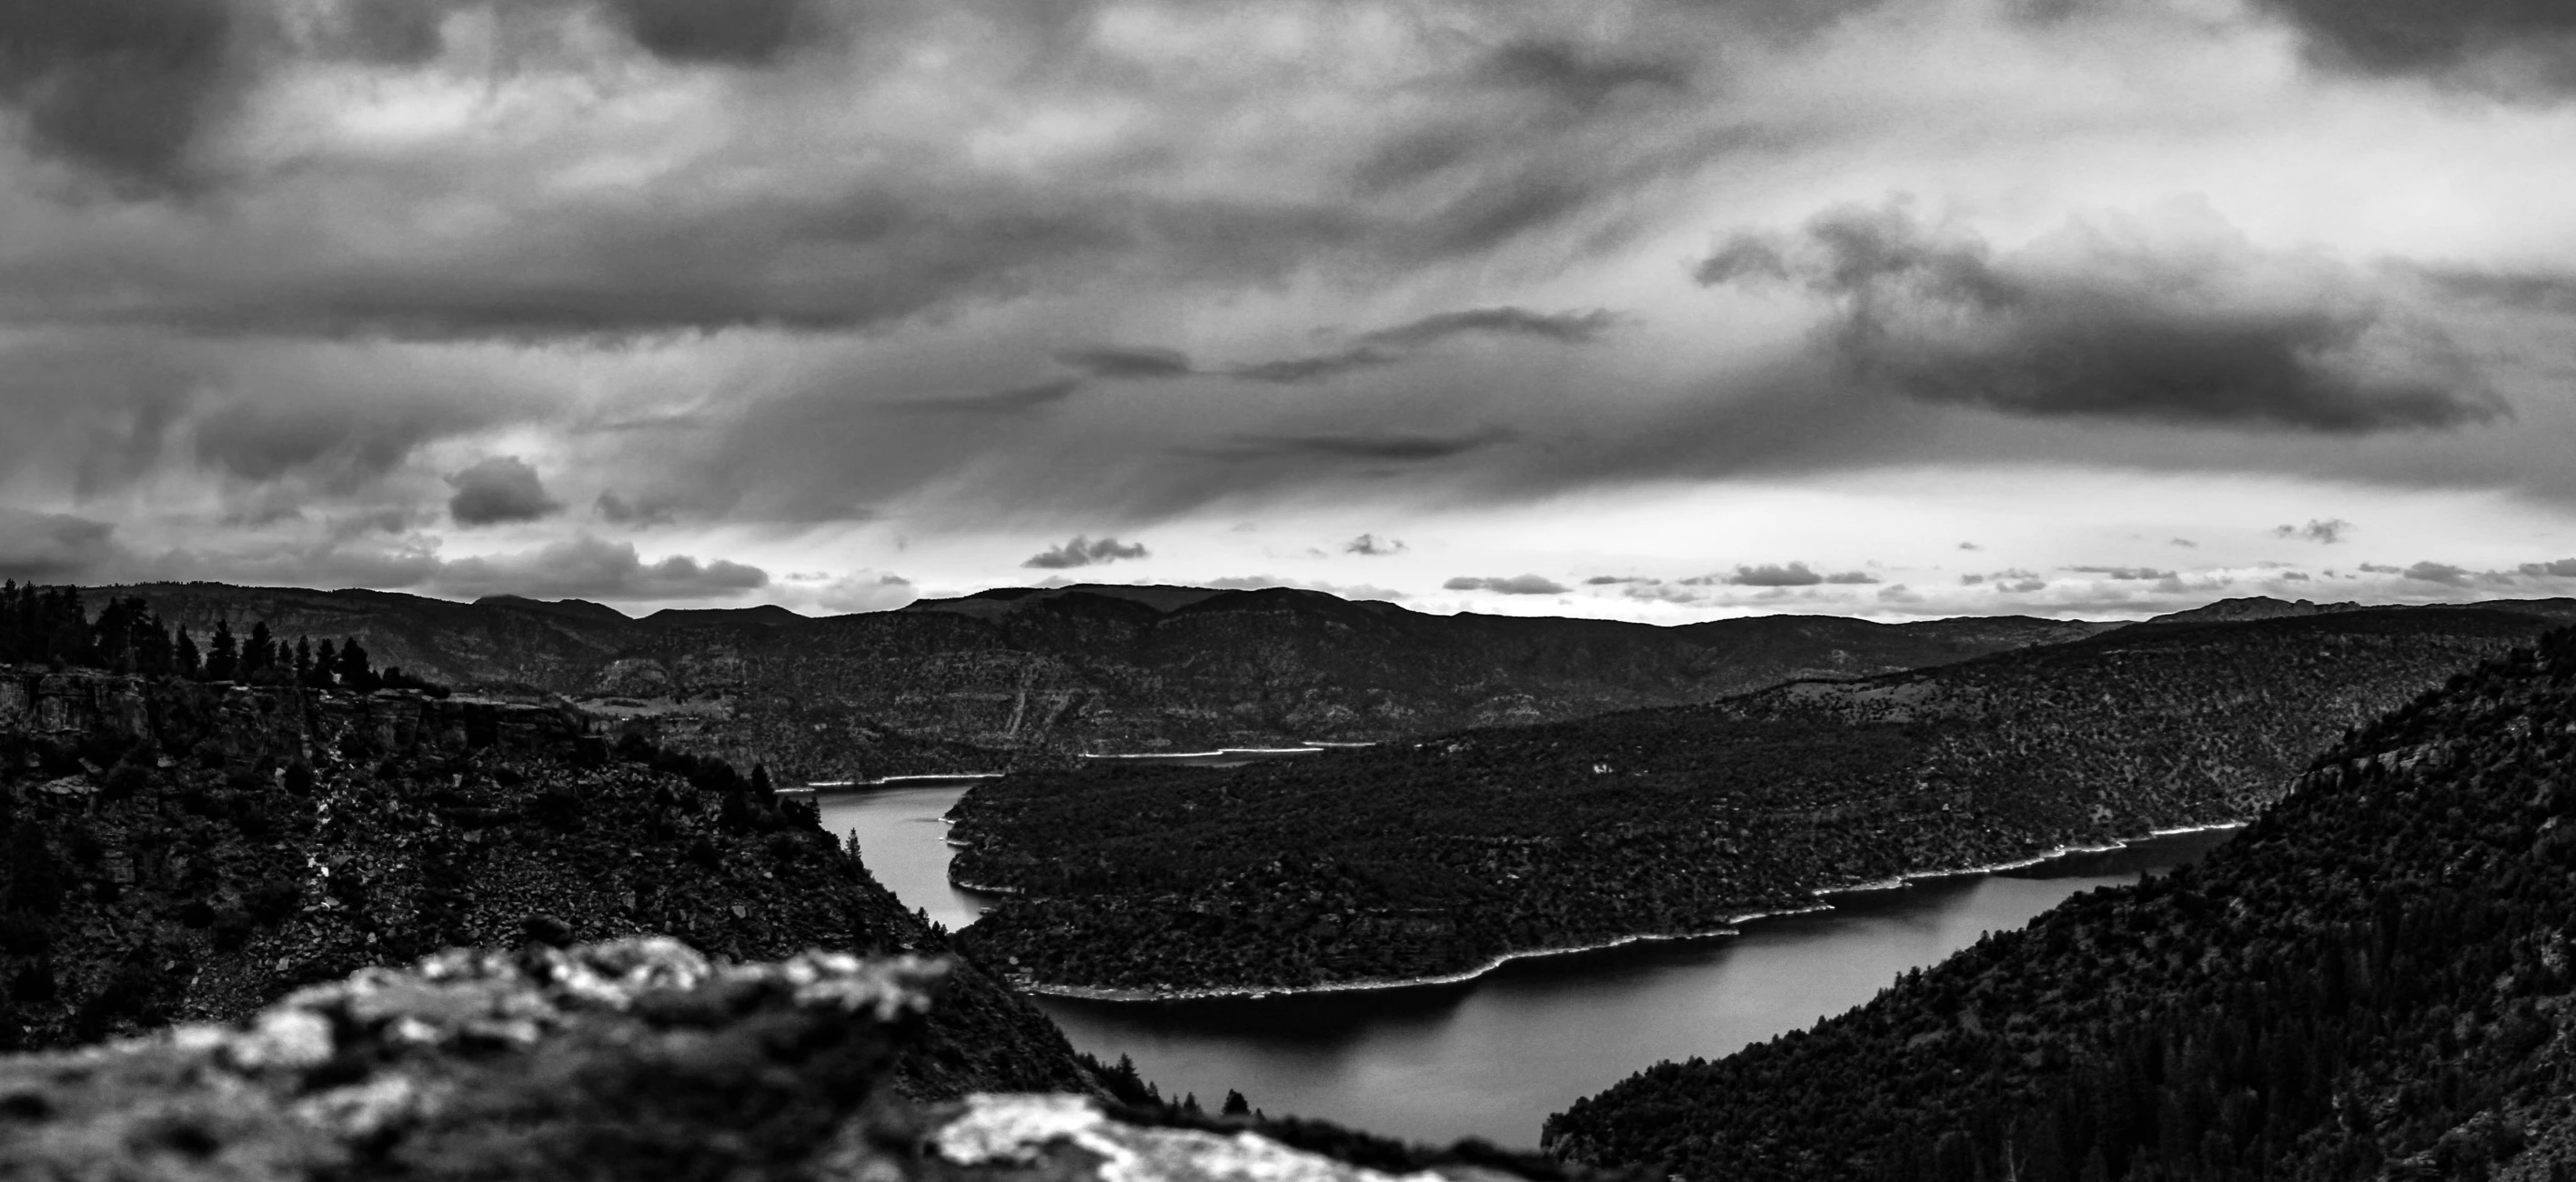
x: 632, y: 1059
x: 179, y: 851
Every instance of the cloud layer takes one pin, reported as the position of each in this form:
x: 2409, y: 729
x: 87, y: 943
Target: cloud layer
x: 337, y: 290
x: 2184, y: 322
x: 1084, y: 551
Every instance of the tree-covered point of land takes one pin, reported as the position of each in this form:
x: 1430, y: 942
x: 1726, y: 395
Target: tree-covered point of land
x: 146, y: 879
x: 1436, y: 856
x: 2372, y: 981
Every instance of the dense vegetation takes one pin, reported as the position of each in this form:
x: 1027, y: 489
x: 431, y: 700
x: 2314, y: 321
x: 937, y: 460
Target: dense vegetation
x: 2373, y: 980
x: 174, y: 850
x: 1022, y: 677
x: 48, y: 626
x: 1437, y: 856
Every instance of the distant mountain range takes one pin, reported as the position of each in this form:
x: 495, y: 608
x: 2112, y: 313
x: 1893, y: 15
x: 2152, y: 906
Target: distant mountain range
x: 1034, y: 676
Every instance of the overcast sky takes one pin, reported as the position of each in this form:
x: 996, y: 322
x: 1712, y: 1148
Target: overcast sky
x: 1655, y: 309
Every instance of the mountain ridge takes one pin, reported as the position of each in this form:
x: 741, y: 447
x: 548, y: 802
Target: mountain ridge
x: 2372, y: 980
x: 1035, y: 676
x: 1426, y: 858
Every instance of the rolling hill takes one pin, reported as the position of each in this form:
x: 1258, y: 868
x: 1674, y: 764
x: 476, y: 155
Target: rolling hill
x: 1436, y: 856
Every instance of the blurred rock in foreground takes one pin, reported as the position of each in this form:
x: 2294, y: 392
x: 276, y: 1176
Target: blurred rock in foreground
x: 632, y: 1059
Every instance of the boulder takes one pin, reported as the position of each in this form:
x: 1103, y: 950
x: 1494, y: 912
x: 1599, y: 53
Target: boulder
x: 632, y: 1059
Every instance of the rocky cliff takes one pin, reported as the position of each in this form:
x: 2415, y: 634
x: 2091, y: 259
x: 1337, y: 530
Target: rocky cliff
x: 633, y: 1059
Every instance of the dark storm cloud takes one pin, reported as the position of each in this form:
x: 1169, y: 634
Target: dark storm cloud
x: 2209, y: 332
x: 1371, y: 545
x: 1016, y: 400
x: 51, y: 546
x: 2540, y: 291
x: 2439, y: 572
x: 1127, y: 361
x: 1388, y: 346
x: 1084, y: 551
x: 589, y: 568
x: 1565, y: 328
x: 1615, y: 580
x: 2327, y: 532
x: 1796, y: 574
x: 1364, y: 445
x: 2564, y: 568
x: 617, y: 510
x: 1297, y: 371
x: 120, y: 87
x: 2124, y: 574
x: 1743, y: 256
x: 2528, y: 42
x: 391, y: 32
x: 1514, y: 585
x: 1579, y: 75
x: 499, y: 490
x: 721, y: 32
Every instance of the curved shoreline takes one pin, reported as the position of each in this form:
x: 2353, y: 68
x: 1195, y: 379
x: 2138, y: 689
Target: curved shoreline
x: 1733, y: 928
x: 1219, y: 753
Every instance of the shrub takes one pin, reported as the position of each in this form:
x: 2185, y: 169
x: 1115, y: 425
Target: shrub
x: 22, y: 934
x: 126, y: 780
x: 35, y: 982
x: 557, y: 810
x: 272, y: 900
x: 232, y: 929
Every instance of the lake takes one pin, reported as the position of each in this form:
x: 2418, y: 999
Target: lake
x: 1494, y: 1056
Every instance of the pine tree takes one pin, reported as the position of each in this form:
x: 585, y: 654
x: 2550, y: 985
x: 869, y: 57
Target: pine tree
x: 1235, y: 1104
x: 184, y: 660
x: 154, y: 657
x: 261, y: 653
x: 326, y: 666
x: 223, y: 653
x: 355, y: 673
x: 303, y: 661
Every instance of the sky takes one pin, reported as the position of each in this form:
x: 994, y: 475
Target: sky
x: 1661, y: 310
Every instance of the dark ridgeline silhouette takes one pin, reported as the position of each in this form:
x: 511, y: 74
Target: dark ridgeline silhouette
x: 48, y: 626
x: 2372, y: 980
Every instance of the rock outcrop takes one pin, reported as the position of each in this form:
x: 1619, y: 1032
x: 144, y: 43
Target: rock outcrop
x: 631, y: 1059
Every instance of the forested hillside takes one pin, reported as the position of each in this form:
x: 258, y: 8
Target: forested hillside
x: 177, y: 850
x: 2373, y: 980
x: 1434, y: 857
x: 1028, y: 677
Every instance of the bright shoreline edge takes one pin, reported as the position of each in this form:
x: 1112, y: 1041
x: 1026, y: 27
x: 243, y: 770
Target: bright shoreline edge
x: 1733, y: 928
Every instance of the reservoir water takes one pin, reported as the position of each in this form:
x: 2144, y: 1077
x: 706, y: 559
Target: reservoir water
x: 1493, y: 1056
